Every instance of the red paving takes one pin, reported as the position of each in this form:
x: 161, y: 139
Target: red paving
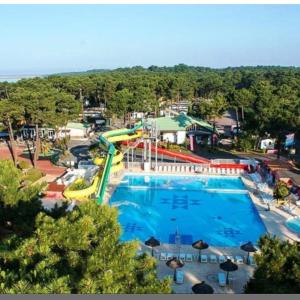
x: 43, y: 165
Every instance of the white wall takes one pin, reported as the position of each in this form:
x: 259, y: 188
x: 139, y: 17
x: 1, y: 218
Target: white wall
x: 175, y: 137
x: 72, y: 132
x: 181, y: 136
x: 169, y: 136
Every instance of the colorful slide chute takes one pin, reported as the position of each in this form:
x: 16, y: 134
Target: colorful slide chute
x: 112, y: 163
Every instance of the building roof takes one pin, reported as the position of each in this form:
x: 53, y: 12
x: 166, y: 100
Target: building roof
x: 227, y: 119
x: 179, y: 123
x: 77, y: 125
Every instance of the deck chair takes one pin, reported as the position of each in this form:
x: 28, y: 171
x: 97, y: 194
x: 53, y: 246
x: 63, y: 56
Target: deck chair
x: 252, y: 261
x: 221, y: 259
x: 239, y: 259
x: 230, y: 257
x: 179, y: 277
x: 213, y: 259
x: 163, y: 256
x: 189, y: 257
x: 222, y: 279
x: 204, y: 258
x: 170, y: 256
x: 182, y: 256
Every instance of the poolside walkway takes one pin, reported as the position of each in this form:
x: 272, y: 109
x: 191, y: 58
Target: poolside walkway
x: 274, y: 219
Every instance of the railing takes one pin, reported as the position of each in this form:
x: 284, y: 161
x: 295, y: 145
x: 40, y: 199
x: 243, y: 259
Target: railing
x: 185, y: 168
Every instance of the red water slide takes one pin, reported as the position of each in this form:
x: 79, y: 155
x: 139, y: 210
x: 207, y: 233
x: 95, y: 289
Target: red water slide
x: 174, y: 154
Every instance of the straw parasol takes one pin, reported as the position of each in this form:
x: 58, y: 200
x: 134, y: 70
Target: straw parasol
x: 248, y: 247
x: 202, y: 288
x: 175, y: 263
x: 152, y: 242
x: 228, y: 266
x: 200, y: 245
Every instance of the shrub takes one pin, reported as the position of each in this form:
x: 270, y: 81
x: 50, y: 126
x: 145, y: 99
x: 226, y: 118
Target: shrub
x: 281, y: 190
x: 78, y: 185
x: 245, y: 142
x: 33, y: 175
x: 24, y: 165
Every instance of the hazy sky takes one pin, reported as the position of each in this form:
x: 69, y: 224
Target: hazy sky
x: 54, y: 38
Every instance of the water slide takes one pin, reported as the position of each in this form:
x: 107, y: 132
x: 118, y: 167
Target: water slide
x: 111, y: 163
x: 175, y: 154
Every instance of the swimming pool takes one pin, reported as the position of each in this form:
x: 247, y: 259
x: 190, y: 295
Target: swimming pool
x: 294, y: 224
x: 215, y: 209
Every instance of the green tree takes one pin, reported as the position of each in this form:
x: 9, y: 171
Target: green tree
x: 11, y: 116
x: 278, y: 268
x: 119, y: 104
x: 18, y: 204
x: 55, y: 260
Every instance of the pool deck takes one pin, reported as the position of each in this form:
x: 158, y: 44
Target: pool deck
x: 195, y: 271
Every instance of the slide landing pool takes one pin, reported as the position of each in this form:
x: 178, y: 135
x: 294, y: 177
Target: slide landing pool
x: 215, y: 209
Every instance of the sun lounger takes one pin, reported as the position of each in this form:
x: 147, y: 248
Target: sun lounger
x: 179, y: 277
x: 163, y: 256
x: 252, y: 261
x: 288, y: 208
x: 222, y: 279
x: 221, y: 259
x: 170, y: 256
x: 239, y: 259
x: 189, y: 257
x: 182, y: 256
x: 213, y: 259
x: 204, y: 258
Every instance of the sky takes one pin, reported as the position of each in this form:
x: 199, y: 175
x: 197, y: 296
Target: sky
x: 43, y: 39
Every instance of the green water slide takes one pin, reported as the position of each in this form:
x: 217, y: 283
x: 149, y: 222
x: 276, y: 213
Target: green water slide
x: 106, y: 140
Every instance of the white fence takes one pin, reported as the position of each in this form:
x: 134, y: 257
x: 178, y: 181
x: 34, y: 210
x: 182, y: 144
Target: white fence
x: 185, y: 168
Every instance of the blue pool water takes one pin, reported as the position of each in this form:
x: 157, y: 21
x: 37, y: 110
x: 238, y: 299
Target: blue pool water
x: 294, y: 224
x: 215, y: 209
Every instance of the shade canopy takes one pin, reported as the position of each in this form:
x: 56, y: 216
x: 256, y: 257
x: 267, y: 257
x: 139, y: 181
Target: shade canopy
x: 228, y: 266
x: 201, y: 245
x: 202, y: 288
x: 248, y: 247
x: 152, y: 242
x: 175, y: 263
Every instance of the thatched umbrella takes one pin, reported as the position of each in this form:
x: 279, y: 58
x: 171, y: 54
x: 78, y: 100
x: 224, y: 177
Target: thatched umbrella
x: 152, y: 242
x: 200, y: 245
x: 174, y: 264
x: 202, y: 288
x: 248, y: 247
x: 228, y: 266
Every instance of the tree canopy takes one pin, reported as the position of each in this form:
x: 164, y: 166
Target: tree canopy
x: 278, y: 268
x: 60, y: 251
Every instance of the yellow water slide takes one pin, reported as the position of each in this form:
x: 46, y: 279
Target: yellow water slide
x: 111, y: 137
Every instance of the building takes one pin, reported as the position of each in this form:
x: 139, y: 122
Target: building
x: 175, y: 129
x: 75, y: 130
x: 72, y: 129
x: 227, y: 124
